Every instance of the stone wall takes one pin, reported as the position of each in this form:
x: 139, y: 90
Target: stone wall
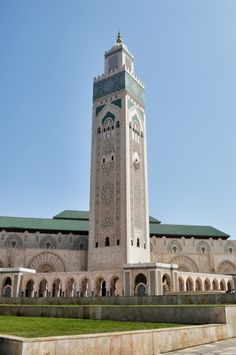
x: 162, y: 314
x: 180, y: 299
x: 133, y: 342
x: 195, y: 255
x: 146, y: 342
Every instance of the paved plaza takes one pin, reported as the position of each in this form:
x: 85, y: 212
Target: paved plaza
x: 226, y: 347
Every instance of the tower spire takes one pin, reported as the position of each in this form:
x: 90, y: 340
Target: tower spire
x: 119, y: 38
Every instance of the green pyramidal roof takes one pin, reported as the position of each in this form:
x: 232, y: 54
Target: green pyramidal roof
x: 78, y: 222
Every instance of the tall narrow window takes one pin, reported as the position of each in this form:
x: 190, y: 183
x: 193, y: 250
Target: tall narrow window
x: 107, y: 242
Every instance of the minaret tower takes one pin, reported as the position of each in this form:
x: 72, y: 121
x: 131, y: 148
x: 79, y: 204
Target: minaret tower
x: 119, y: 219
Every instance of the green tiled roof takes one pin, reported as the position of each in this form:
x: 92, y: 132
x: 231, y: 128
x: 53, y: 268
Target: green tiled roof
x: 39, y: 224
x: 186, y: 230
x: 69, y: 214
x: 84, y: 215
x: 153, y: 220
x: 78, y: 222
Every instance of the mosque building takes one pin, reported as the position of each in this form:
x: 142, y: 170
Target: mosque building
x: 116, y: 248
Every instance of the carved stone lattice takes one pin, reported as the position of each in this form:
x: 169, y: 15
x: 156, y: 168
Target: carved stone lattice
x: 47, y: 259
x: 48, y: 242
x: 13, y: 241
x: 107, y: 221
x: 107, y: 193
x: 230, y: 248
x: 174, y: 246
x: 107, y: 147
x: 203, y: 247
x: 81, y: 243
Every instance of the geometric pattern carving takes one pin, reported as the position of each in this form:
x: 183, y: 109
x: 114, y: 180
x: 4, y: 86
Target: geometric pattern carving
x: 107, y: 147
x: 47, y: 259
x: 81, y: 243
x: 174, y: 247
x: 185, y: 263
x: 107, y: 221
x: 107, y: 193
x: 13, y: 241
x: 48, y: 242
x: 230, y: 248
x: 203, y: 247
x: 226, y: 267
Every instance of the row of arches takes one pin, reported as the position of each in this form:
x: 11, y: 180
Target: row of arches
x: 204, y: 285
x: 71, y: 287
x: 196, y: 284
x: 41, y: 286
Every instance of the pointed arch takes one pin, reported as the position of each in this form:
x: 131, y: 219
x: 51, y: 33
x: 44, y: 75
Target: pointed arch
x: 185, y: 263
x: 226, y: 267
x: 47, y: 262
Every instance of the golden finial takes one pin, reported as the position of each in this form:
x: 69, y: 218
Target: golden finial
x: 119, y: 38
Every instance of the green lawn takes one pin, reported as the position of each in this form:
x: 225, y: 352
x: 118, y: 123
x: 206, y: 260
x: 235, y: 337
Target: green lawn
x: 31, y: 327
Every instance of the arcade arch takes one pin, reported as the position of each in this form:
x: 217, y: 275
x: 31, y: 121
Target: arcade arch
x: 43, y: 288
x: 70, y: 288
x: 29, y: 289
x: 181, y: 284
x: 84, y: 287
x: 140, y: 288
x: 198, y: 285
x: 6, y: 287
x: 57, y: 288
x: 207, y: 285
x: 166, y: 283
x: 215, y: 285
x: 115, y: 286
x: 222, y: 285
x: 101, y: 287
x: 189, y: 284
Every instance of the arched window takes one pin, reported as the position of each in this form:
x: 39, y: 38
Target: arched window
x: 96, y: 245
x: 81, y: 246
x: 13, y: 244
x: 138, y: 243
x: 107, y: 243
x: 48, y: 245
x: 99, y: 130
x: 117, y: 124
x: 136, y: 130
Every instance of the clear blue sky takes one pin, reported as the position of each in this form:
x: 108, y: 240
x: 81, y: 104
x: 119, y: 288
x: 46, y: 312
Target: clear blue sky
x: 185, y: 52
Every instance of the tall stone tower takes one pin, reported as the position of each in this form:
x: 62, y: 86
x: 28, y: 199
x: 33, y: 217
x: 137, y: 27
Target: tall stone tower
x: 119, y: 219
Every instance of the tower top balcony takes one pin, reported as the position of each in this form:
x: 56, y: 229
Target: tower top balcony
x: 118, y: 57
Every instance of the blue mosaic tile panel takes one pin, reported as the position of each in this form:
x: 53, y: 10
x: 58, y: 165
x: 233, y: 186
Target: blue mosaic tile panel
x: 116, y: 82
